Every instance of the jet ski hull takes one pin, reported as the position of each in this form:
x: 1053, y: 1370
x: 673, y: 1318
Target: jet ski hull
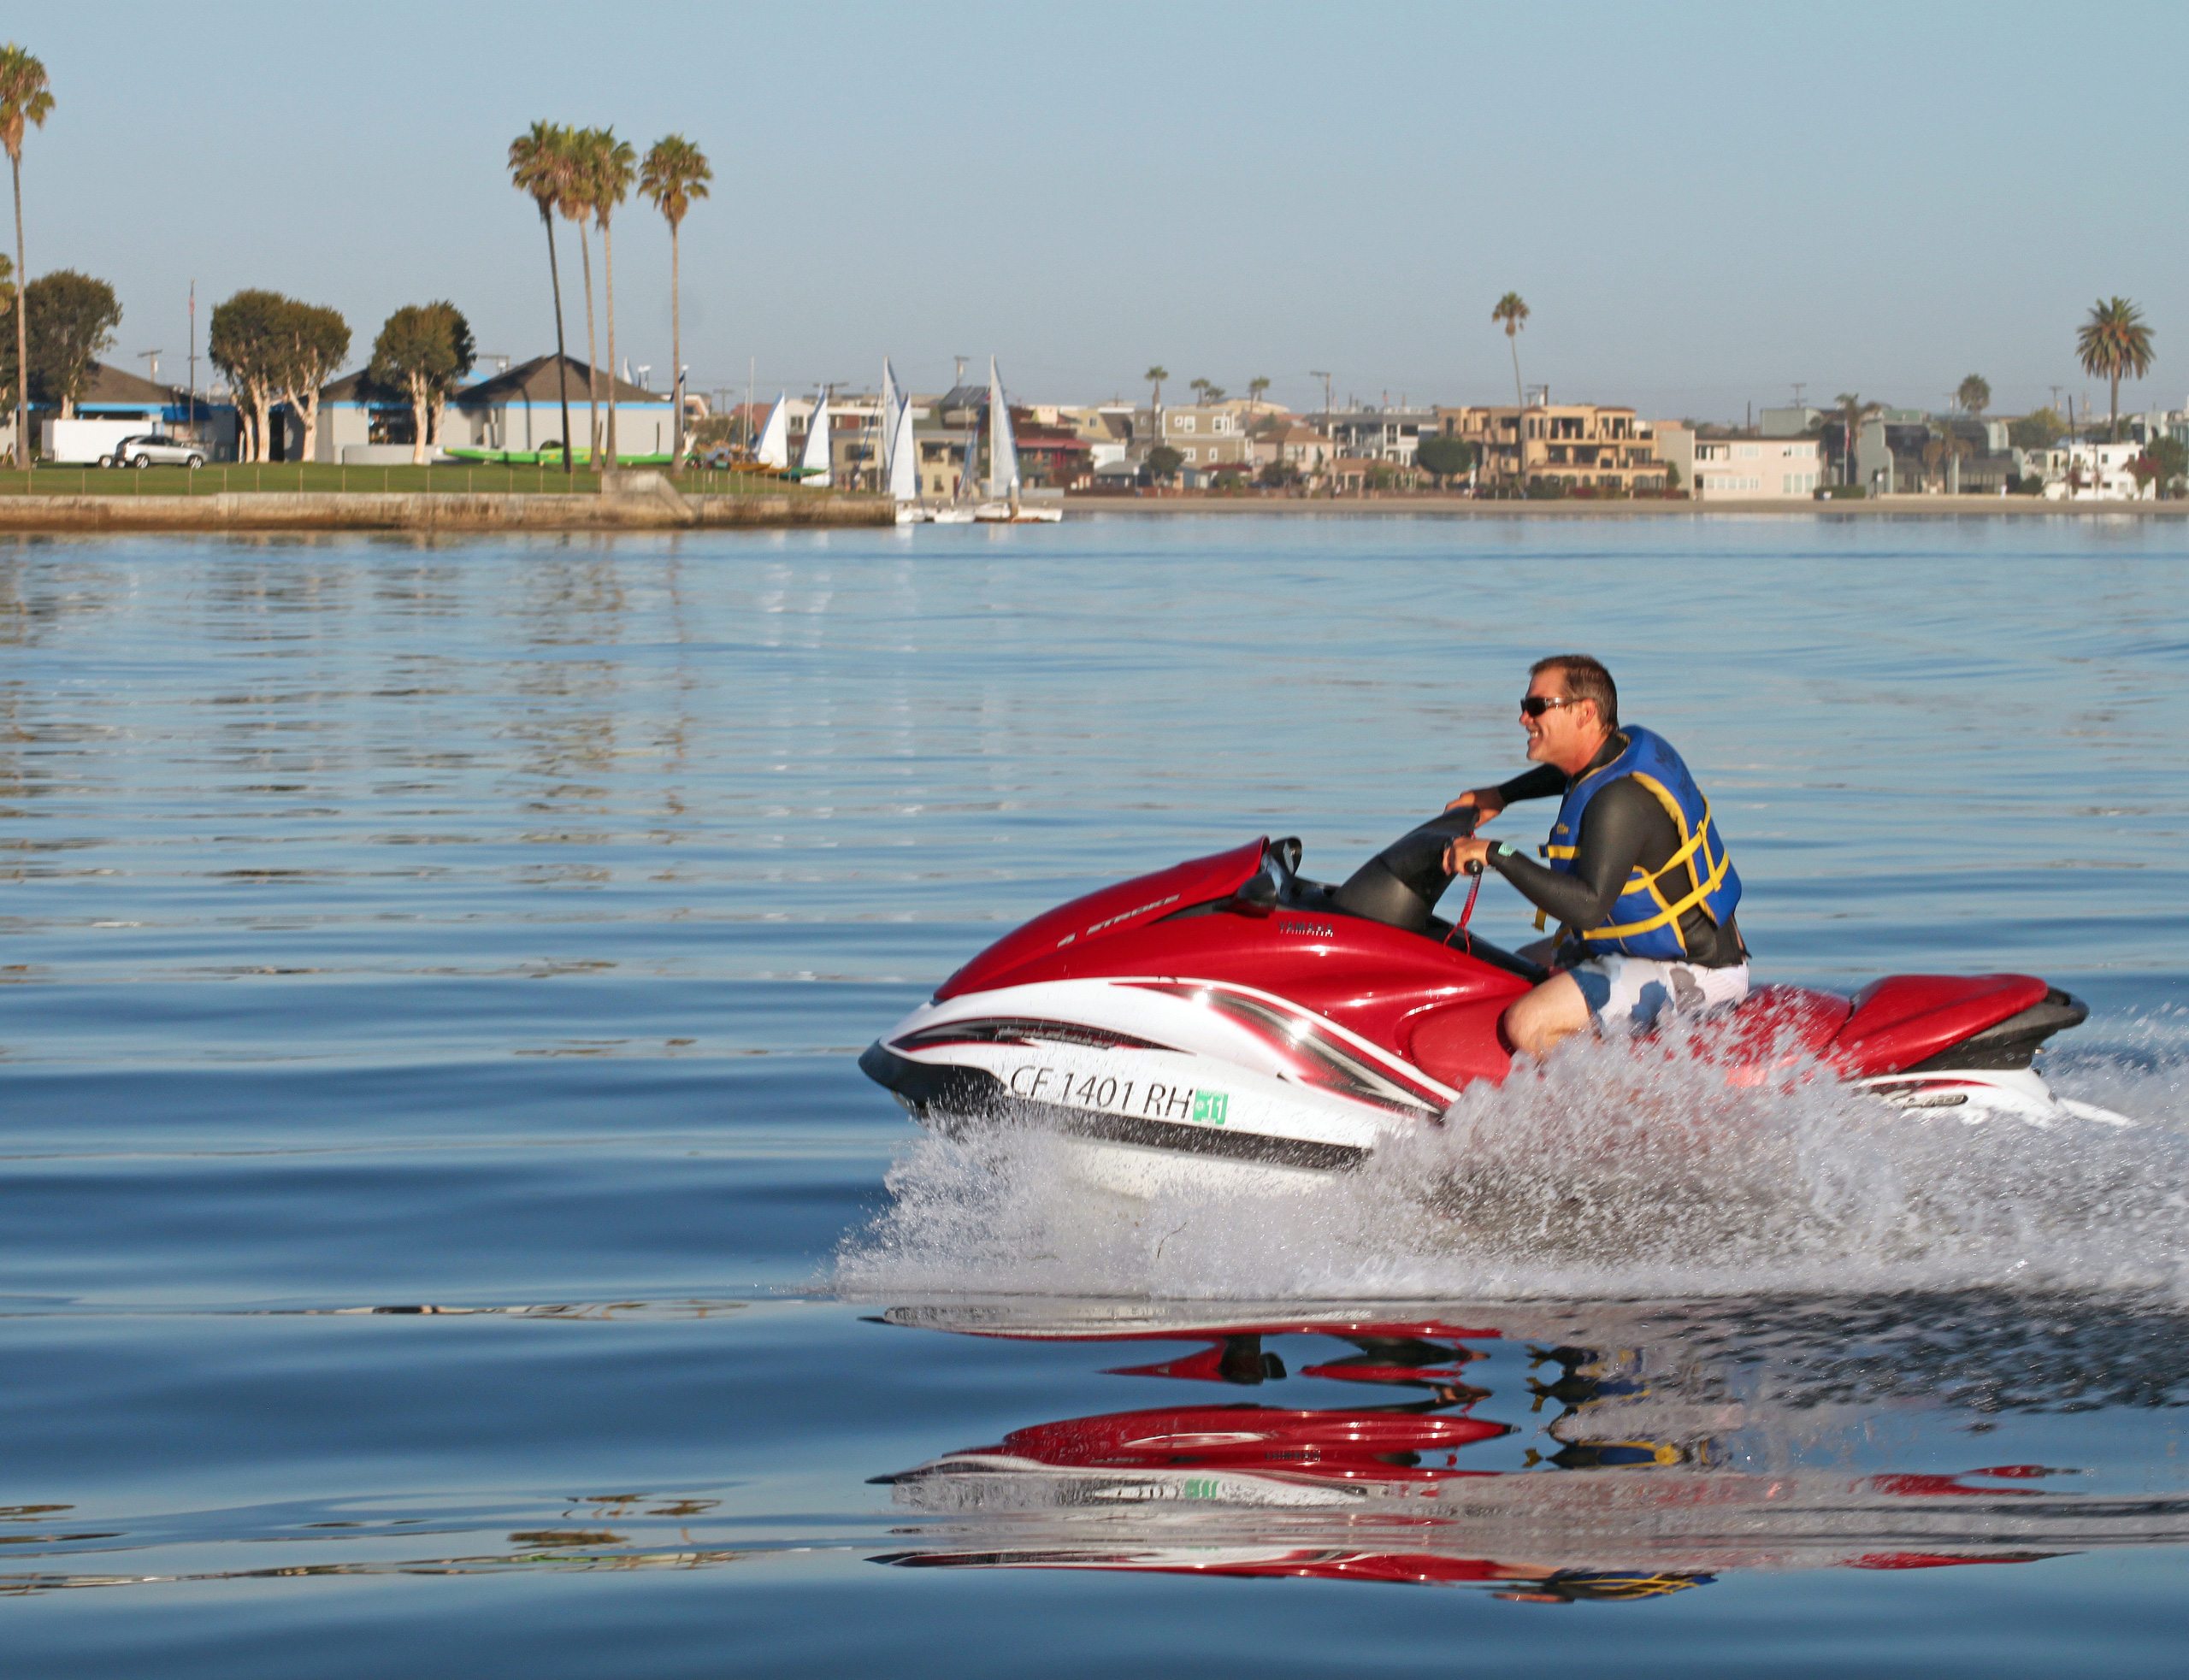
x: 1223, y: 1022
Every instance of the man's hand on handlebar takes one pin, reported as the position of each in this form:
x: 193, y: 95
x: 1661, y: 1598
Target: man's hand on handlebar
x: 1460, y: 853
x: 1487, y: 800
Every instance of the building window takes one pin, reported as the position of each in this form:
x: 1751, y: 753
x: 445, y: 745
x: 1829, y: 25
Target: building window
x: 1183, y: 422
x: 1190, y: 454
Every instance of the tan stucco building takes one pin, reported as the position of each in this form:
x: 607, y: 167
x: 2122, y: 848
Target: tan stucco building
x: 1584, y: 445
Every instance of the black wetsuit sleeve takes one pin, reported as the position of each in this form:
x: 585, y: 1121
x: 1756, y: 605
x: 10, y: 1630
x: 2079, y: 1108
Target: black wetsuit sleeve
x: 1542, y: 781
x: 1614, y: 828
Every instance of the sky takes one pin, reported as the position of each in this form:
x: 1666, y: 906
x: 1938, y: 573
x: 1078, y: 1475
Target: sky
x: 1702, y: 205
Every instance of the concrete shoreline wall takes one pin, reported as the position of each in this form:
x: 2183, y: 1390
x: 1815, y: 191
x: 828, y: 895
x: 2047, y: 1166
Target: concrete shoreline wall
x: 366, y: 511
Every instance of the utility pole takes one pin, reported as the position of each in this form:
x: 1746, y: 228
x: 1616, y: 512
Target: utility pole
x: 1798, y: 386
x: 193, y: 358
x: 152, y: 356
x: 1318, y: 372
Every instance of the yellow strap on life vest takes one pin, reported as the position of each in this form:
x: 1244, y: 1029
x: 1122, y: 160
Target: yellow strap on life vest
x: 1670, y: 912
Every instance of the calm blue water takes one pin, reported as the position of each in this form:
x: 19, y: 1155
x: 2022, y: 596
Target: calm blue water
x: 492, y: 927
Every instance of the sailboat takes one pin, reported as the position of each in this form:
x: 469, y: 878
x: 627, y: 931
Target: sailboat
x: 774, y: 448
x: 814, y: 465
x: 1004, y: 506
x: 900, y: 455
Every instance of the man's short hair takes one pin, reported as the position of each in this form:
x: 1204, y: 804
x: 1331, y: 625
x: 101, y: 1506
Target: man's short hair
x: 1586, y: 679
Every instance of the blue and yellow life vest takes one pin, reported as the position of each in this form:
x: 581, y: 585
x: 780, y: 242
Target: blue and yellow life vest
x: 1645, y: 922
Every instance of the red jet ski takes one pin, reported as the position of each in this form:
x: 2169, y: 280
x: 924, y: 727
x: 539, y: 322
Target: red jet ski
x: 1228, y: 1017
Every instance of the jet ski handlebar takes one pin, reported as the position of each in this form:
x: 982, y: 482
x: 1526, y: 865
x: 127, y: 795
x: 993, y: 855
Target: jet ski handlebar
x: 1400, y: 884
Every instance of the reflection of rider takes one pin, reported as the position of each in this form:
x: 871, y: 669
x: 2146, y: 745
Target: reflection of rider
x: 1569, y: 1586
x: 1637, y: 873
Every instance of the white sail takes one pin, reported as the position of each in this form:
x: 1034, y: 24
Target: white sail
x: 904, y: 454
x: 1003, y: 449
x: 814, y: 462
x: 775, y: 439
x: 892, y: 395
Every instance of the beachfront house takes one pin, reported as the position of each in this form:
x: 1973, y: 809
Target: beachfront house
x: 520, y: 408
x: 1579, y: 446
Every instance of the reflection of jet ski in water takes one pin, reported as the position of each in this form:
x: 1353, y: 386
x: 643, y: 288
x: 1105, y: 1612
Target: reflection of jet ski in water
x: 1646, y: 1493
x: 1229, y: 1012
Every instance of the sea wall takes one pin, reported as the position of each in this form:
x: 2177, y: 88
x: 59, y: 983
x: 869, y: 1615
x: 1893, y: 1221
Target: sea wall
x: 650, y: 508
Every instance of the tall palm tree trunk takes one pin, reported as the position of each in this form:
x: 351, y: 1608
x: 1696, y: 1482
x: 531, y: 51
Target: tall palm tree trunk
x: 608, y: 302
x: 562, y: 357
x: 591, y: 355
x: 2116, y: 399
x: 1519, y: 407
x: 675, y: 346
x: 22, y: 333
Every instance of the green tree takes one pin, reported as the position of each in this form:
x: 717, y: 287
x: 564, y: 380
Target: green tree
x: 1199, y: 388
x: 1447, y: 458
x: 1155, y: 376
x: 1974, y: 395
x: 1512, y: 314
x: 316, y: 341
x: 674, y: 173
x: 1256, y: 386
x: 540, y: 166
x: 614, y: 165
x: 2170, y: 456
x: 73, y: 317
x: 1163, y: 463
x: 2114, y: 342
x: 245, y: 342
x: 423, y: 349
x: 2040, y: 429
x: 25, y: 98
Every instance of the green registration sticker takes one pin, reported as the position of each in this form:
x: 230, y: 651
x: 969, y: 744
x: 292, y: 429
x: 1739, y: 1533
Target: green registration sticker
x: 1209, y: 1107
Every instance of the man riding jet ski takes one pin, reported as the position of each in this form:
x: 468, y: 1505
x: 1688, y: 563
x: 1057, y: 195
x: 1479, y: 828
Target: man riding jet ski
x: 1229, y: 1018
x: 1637, y: 873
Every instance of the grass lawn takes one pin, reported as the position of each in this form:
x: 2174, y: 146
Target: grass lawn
x: 456, y: 480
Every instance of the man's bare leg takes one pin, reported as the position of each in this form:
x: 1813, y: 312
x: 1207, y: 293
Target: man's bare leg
x: 1547, y: 1017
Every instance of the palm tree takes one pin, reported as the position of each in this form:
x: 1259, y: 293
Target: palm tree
x: 675, y: 172
x: 1256, y: 386
x: 614, y: 163
x: 2113, y: 341
x: 1974, y: 395
x: 575, y: 203
x: 24, y: 99
x: 1512, y: 314
x: 1155, y: 376
x: 539, y: 160
x: 1199, y: 388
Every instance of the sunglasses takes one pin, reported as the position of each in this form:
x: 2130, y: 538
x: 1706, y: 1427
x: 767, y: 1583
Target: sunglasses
x: 1534, y: 705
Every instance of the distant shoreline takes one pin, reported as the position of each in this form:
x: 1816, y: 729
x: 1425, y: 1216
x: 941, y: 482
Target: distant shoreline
x: 428, y: 513
x: 1463, y: 507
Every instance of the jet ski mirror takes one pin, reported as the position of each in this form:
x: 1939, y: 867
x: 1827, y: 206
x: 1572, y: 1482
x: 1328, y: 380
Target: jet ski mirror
x: 1399, y: 886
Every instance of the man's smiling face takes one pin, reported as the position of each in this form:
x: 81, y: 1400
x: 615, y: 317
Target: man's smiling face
x: 1568, y: 732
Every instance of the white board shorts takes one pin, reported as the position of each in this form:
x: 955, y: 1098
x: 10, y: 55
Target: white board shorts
x: 1628, y: 993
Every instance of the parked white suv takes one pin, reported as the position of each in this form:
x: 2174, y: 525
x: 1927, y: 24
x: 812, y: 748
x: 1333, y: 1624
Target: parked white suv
x: 154, y: 449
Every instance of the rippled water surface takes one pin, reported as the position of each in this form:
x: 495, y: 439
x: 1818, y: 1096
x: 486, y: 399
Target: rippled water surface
x: 443, y: 1230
